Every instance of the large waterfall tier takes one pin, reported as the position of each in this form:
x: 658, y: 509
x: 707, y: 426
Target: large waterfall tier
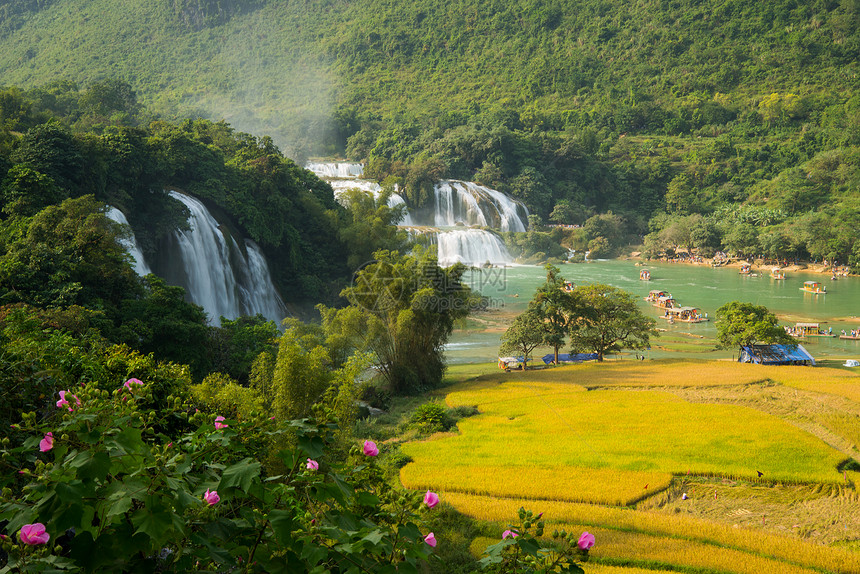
x: 467, y: 203
x: 472, y: 247
x: 336, y: 170
x: 130, y: 243
x: 226, y: 278
x: 340, y: 186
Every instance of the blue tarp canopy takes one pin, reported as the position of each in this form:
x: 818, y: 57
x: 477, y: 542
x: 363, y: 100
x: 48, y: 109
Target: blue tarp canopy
x: 570, y: 358
x: 775, y: 355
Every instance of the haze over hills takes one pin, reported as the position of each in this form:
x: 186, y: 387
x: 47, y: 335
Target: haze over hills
x: 683, y: 107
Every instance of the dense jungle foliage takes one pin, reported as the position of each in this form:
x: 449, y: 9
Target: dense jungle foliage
x: 657, y: 111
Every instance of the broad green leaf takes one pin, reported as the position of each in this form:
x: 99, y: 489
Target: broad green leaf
x: 282, y: 524
x: 240, y: 475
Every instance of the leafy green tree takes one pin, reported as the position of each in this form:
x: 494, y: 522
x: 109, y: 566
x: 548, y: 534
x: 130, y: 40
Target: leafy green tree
x: 555, y: 305
x: 25, y: 191
x: 372, y: 225
x: 740, y: 324
x: 302, y: 373
x: 51, y: 149
x: 69, y: 256
x: 236, y: 344
x: 162, y: 322
x: 608, y: 320
x: 407, y: 306
x: 524, y: 335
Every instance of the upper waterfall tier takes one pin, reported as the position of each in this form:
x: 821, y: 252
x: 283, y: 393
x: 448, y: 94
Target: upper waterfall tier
x: 336, y: 170
x: 130, y: 243
x: 341, y: 185
x: 467, y: 203
x: 225, y: 277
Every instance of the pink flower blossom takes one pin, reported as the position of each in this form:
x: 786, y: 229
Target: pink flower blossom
x: 431, y: 540
x: 431, y: 499
x: 218, y: 424
x: 370, y: 448
x: 34, y: 534
x: 47, y: 443
x: 585, y: 541
x: 313, y: 465
x: 63, y: 402
x: 131, y: 382
x: 509, y: 534
x: 211, y: 497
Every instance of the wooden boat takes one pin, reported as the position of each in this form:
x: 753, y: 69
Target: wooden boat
x: 745, y: 269
x: 645, y: 275
x: 814, y: 287
x: 810, y: 330
x: 686, y: 315
x: 777, y: 273
x: 666, y: 302
x: 655, y: 294
x: 850, y: 337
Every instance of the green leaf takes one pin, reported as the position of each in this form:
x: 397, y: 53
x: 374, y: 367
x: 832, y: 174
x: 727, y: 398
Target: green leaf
x: 282, y: 524
x: 153, y: 521
x: 127, y: 441
x: 240, y: 475
x: 92, y: 465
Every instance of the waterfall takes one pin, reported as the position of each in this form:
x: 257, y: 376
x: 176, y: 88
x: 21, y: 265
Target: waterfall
x: 130, y: 244
x: 455, y: 204
x: 472, y: 247
x: 472, y: 204
x: 217, y: 273
x: 336, y: 170
x: 341, y: 185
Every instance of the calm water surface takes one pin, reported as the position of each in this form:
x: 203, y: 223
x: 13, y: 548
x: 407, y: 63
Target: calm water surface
x: 700, y: 286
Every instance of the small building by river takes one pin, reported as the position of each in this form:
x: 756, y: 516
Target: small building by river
x: 776, y: 355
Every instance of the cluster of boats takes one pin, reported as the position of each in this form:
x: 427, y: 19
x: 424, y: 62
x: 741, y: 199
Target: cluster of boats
x: 775, y: 272
x: 672, y: 310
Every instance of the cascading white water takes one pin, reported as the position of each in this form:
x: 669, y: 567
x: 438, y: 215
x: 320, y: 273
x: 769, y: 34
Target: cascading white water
x: 472, y: 247
x: 468, y: 203
x: 456, y: 203
x: 130, y: 244
x: 218, y: 274
x: 336, y: 170
x: 341, y: 185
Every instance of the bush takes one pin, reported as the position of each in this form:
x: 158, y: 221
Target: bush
x: 431, y: 417
x: 116, y: 494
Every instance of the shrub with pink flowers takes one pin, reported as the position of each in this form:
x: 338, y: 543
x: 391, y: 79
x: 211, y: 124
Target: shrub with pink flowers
x: 522, y: 550
x: 126, y: 487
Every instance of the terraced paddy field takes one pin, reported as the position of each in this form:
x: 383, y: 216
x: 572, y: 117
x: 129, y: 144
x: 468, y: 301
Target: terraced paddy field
x: 691, y: 466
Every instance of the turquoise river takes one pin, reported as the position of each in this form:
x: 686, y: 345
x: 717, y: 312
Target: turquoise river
x: 510, y: 289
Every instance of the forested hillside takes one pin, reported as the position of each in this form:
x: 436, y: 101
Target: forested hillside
x: 722, y: 124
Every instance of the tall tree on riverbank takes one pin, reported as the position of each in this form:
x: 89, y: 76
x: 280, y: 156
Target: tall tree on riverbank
x: 402, y: 310
x: 554, y: 304
x: 608, y: 320
x: 741, y: 324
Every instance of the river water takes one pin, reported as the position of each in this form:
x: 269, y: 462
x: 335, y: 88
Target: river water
x: 510, y: 289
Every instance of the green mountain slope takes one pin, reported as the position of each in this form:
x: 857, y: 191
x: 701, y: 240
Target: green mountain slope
x: 685, y: 107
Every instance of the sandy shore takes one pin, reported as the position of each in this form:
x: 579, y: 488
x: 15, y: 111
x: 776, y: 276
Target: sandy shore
x: 756, y: 265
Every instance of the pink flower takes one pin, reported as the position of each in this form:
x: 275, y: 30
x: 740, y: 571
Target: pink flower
x: 585, y: 541
x: 47, y: 443
x: 431, y: 499
x: 211, y: 497
x: 218, y: 424
x: 370, y: 448
x: 313, y: 465
x: 431, y: 540
x: 509, y: 534
x: 34, y: 534
x: 65, y: 403
x: 131, y: 382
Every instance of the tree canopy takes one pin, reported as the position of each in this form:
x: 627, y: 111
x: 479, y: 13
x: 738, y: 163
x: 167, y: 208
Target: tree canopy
x: 740, y: 324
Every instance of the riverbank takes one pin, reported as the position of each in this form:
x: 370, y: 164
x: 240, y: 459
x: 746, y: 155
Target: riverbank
x: 756, y: 265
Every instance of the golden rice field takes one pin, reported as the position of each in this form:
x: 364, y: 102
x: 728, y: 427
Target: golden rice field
x: 583, y: 444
